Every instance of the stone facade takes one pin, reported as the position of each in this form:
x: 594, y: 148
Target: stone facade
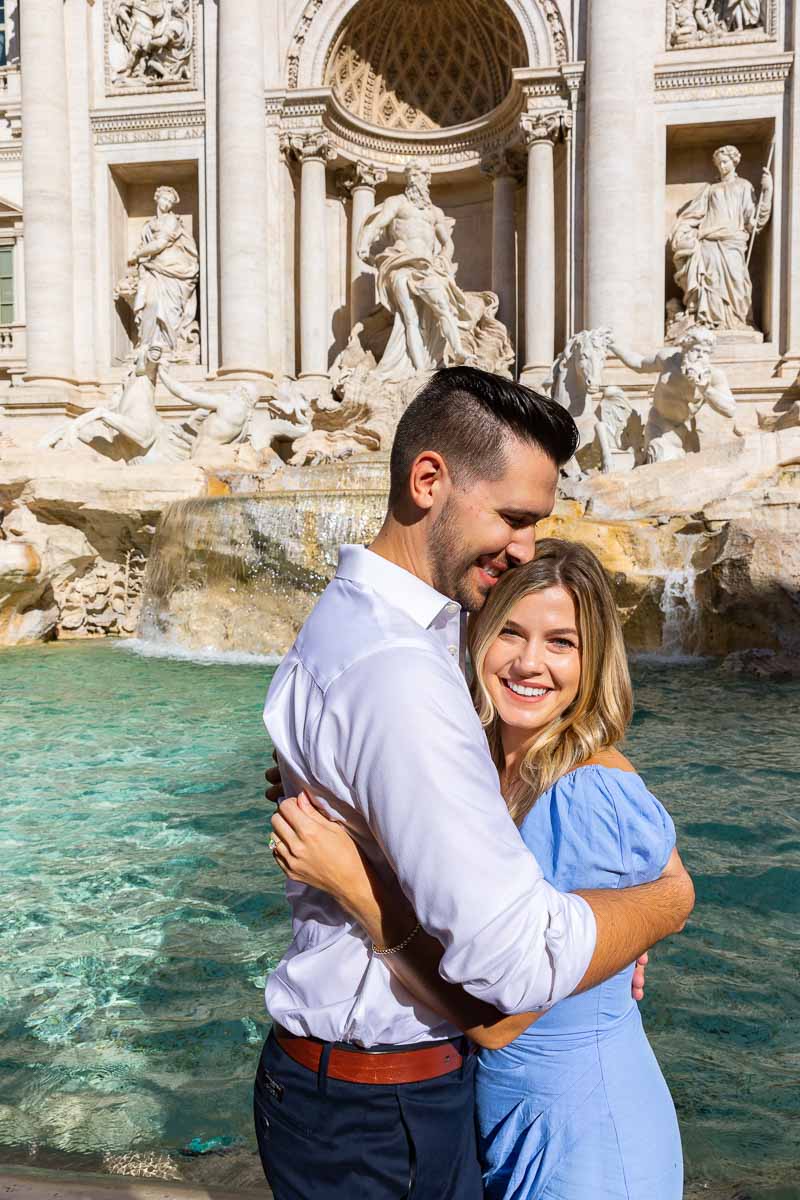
x: 192, y: 178
x: 564, y: 141
x: 564, y: 158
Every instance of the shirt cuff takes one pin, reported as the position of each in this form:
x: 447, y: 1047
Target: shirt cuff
x: 574, y: 927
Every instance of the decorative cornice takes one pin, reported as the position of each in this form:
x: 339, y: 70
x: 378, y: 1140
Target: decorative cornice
x: 10, y: 154
x: 149, y: 125
x: 761, y: 75
x: 302, y: 111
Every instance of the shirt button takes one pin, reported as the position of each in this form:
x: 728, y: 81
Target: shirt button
x: 452, y: 650
x: 452, y: 609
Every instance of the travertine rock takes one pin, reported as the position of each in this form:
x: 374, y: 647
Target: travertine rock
x: 74, y: 539
x: 738, y: 469
x: 748, y: 588
x: 763, y: 664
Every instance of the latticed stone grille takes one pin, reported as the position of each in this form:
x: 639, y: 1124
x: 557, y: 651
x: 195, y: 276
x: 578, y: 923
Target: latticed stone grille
x: 424, y: 64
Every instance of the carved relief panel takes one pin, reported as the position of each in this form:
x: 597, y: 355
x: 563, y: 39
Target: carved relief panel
x: 692, y: 23
x: 150, y: 44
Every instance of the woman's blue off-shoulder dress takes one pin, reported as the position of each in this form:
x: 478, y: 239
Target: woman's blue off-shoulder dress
x: 577, y: 1107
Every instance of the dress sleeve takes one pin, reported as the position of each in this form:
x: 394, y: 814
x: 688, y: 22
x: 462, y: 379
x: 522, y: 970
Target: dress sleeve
x: 646, y: 831
x: 599, y: 828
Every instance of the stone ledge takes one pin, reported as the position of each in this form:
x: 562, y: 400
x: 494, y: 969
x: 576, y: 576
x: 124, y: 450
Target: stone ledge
x: 30, y: 1183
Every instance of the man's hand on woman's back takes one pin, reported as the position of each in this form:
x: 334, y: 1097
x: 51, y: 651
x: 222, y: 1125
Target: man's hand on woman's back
x: 274, y: 790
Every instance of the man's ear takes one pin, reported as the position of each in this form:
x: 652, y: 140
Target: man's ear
x: 427, y: 479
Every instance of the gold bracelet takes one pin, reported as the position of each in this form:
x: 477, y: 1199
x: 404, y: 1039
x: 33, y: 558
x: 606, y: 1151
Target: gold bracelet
x: 400, y: 946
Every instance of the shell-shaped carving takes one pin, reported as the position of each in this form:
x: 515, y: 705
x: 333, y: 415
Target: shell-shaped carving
x: 424, y: 64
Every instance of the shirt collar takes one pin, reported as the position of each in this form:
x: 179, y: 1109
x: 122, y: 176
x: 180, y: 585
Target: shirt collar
x: 394, y: 584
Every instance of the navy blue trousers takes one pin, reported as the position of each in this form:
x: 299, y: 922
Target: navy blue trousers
x: 324, y: 1139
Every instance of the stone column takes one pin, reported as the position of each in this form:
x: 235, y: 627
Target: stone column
x: 47, y: 195
x: 790, y: 359
x: 361, y: 187
x: 620, y: 276
x: 504, y: 175
x: 313, y: 151
x: 539, y: 131
x: 243, y: 191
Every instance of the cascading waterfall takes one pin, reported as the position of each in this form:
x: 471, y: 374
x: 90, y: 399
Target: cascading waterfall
x: 241, y: 573
x: 679, y: 604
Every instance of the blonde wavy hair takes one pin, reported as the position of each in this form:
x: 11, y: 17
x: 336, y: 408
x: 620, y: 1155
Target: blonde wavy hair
x: 602, y: 709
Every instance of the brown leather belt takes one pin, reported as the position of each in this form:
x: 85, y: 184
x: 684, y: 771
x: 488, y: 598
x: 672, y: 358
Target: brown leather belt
x: 361, y: 1066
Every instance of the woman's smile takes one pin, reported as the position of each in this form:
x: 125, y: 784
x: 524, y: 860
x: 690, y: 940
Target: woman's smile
x: 526, y: 691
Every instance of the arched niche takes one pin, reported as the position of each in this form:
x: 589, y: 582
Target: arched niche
x: 534, y: 33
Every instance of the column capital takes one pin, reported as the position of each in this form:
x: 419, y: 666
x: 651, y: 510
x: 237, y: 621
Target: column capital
x: 361, y: 174
x: 367, y: 174
x: 498, y: 163
x: 541, y: 127
x: 306, y: 147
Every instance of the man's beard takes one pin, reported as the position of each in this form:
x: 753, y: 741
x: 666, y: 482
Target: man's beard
x: 451, y: 561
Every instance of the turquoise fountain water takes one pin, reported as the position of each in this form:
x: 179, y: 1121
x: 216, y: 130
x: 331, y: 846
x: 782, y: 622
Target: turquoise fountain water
x: 142, y: 912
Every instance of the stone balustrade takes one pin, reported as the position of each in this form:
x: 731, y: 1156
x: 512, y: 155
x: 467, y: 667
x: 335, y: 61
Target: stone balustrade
x: 12, y: 346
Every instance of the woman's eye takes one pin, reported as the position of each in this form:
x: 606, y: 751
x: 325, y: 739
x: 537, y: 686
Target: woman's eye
x: 506, y: 632
x: 563, y: 643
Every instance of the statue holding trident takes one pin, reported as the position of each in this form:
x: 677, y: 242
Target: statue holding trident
x: 711, y: 243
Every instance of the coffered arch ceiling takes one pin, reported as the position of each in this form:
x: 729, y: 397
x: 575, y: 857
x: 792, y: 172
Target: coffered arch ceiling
x: 424, y: 64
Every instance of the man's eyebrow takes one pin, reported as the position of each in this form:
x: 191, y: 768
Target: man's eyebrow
x: 533, y: 517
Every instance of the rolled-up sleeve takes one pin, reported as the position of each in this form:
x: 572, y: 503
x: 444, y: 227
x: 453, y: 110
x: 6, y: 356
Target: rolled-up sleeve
x: 416, y: 759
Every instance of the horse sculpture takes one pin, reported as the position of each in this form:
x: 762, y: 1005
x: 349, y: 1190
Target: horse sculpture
x: 606, y: 421
x: 138, y: 434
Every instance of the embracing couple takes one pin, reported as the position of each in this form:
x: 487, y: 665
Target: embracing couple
x: 474, y: 867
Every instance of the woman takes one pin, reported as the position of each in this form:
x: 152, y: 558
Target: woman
x: 575, y: 1106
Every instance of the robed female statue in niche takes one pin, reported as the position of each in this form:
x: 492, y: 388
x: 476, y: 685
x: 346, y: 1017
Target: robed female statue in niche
x: 161, y: 283
x: 710, y: 241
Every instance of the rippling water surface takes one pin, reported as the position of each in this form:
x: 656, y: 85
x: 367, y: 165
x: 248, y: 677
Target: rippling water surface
x: 141, y: 911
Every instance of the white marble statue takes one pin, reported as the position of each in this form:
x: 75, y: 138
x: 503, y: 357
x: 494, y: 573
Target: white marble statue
x: 687, y: 380
x: 224, y: 419
x: 409, y: 241
x: 606, y: 422
x: 743, y: 14
x: 137, y: 432
x: 161, y: 283
x: 709, y: 243
x: 698, y: 21
x: 151, y: 40
x: 231, y: 419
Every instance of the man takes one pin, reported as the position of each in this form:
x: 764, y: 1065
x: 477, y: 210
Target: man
x: 687, y: 379
x: 362, y: 1090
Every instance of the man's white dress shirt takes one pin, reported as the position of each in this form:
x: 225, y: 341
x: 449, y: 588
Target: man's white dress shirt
x: 371, y: 712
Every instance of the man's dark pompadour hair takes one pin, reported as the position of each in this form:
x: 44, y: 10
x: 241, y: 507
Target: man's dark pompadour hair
x: 468, y: 416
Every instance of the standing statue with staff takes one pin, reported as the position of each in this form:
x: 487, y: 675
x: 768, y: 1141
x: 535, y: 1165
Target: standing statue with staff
x: 711, y: 243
